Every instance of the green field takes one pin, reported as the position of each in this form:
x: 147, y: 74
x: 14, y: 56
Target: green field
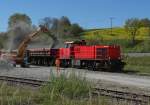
x: 137, y: 65
x: 117, y: 33
x: 120, y: 37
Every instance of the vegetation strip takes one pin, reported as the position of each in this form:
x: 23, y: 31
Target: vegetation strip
x: 138, y: 98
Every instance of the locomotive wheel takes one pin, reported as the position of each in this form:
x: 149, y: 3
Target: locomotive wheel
x: 91, y: 65
x: 65, y: 63
x: 83, y: 64
x: 114, y: 66
x: 24, y: 65
x: 94, y: 66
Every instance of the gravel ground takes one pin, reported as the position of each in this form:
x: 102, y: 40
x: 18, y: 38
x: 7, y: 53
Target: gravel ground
x: 107, y: 80
x: 136, y: 54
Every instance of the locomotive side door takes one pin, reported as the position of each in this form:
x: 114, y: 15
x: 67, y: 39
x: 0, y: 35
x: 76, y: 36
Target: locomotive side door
x: 101, y: 53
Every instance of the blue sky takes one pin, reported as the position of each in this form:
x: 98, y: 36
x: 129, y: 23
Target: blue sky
x: 88, y: 13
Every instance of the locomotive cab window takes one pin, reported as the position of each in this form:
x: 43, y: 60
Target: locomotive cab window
x: 68, y: 45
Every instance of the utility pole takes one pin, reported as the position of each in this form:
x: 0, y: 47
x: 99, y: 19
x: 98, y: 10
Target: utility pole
x: 111, y: 24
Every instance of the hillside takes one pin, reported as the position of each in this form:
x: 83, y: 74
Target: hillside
x: 117, y: 33
x: 120, y: 37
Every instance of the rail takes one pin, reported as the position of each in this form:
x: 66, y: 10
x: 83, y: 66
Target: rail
x: 140, y: 99
x: 25, y: 81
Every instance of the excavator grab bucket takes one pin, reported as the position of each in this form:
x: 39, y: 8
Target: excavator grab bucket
x: 43, y: 28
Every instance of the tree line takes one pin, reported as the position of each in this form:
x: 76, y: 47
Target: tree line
x: 20, y: 25
x: 62, y: 24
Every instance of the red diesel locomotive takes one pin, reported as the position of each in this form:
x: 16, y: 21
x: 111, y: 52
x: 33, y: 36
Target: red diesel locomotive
x: 78, y: 54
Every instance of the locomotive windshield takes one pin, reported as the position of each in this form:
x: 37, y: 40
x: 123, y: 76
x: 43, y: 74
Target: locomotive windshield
x: 68, y: 45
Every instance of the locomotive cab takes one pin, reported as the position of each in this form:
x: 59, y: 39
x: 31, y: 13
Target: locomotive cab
x: 66, y: 55
x: 68, y: 44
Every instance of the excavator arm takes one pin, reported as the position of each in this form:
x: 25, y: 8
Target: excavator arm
x: 19, y: 59
x: 22, y: 47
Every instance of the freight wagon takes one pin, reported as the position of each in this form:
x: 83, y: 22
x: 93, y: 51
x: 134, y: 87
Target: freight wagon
x: 41, y: 56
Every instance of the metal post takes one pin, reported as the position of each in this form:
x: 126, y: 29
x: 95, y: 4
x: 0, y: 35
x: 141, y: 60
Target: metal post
x: 111, y: 24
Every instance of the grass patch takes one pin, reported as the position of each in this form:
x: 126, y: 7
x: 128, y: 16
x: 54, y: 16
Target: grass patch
x: 64, y: 88
x: 10, y: 95
x: 117, y: 33
x: 70, y: 90
x: 140, y: 65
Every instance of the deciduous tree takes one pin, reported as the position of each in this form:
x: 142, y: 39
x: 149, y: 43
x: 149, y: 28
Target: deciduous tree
x: 132, y: 26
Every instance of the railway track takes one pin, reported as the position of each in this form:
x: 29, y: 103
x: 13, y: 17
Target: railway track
x: 139, y: 99
x: 24, y: 81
